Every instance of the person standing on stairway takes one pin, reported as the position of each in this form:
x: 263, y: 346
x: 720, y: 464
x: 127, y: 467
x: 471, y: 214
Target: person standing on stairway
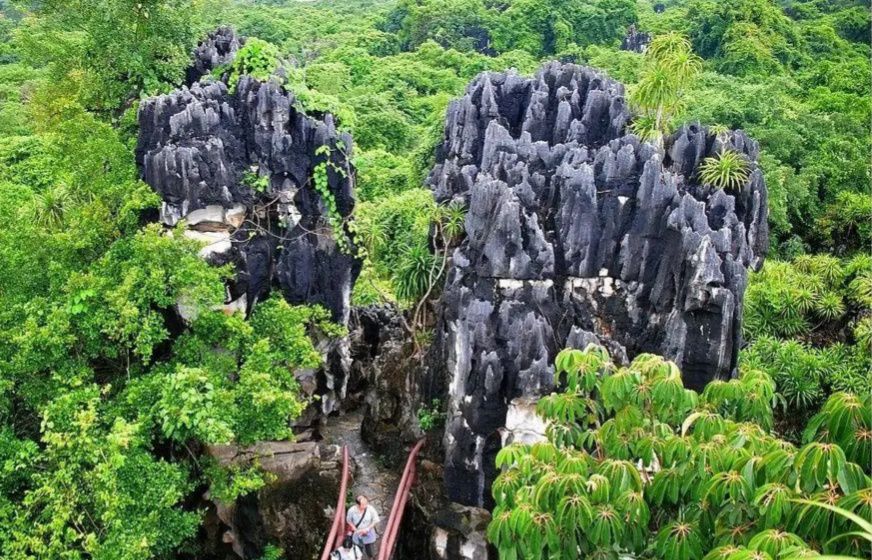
x: 362, y: 519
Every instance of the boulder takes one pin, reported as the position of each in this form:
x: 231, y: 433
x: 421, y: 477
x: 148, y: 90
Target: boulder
x: 578, y: 232
x: 283, y: 513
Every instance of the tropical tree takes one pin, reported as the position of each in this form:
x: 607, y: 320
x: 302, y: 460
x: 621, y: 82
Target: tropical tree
x: 670, y: 65
x: 635, y: 464
x: 124, y: 48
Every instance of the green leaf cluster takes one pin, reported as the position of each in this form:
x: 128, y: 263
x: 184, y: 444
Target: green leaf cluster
x: 636, y: 465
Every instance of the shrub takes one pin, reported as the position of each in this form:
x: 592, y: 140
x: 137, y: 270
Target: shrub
x: 256, y: 58
x: 727, y: 170
x: 807, y: 296
x: 635, y: 463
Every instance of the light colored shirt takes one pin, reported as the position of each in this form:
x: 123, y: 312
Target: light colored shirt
x: 352, y: 553
x: 362, y: 519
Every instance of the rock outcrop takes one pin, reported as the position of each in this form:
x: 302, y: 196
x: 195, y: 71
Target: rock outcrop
x: 578, y: 232
x: 217, y: 49
x: 238, y: 165
x: 384, y: 372
x: 236, y: 162
x: 285, y: 512
x: 635, y: 41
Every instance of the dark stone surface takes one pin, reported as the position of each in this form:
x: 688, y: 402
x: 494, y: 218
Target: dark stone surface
x: 634, y: 40
x: 196, y: 146
x: 575, y: 232
x: 201, y: 149
x: 386, y: 374
x: 285, y: 512
x: 217, y: 49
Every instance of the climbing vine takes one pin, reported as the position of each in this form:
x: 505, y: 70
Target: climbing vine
x: 322, y: 185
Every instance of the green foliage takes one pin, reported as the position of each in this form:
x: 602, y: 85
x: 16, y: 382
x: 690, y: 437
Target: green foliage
x: 846, y: 222
x: 805, y: 321
x: 746, y: 35
x: 413, y: 276
x: 257, y: 58
x: 541, y: 28
x: 806, y: 375
x: 634, y: 463
x: 272, y: 552
x: 800, y: 298
x: 256, y: 182
x: 727, y: 170
x: 105, y: 391
x: 321, y: 182
x: 228, y: 483
x: 381, y: 174
x: 121, y: 48
x: 658, y: 96
x: 544, y: 28
x: 432, y: 416
x: 104, y: 397
x: 391, y: 228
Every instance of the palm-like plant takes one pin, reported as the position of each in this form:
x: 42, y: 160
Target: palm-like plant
x: 829, y: 306
x: 664, y: 47
x: 49, y: 207
x: 863, y: 531
x: 645, y: 127
x: 863, y: 333
x: 727, y: 170
x: 657, y: 97
x: 413, y: 275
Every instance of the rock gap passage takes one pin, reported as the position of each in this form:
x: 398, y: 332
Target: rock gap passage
x: 576, y: 232
x: 370, y: 475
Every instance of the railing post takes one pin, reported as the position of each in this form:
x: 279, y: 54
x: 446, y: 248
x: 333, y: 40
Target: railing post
x: 334, y: 537
x: 396, y: 516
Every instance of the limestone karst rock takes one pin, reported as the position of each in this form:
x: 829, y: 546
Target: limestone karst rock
x: 578, y: 232
x: 236, y: 162
x: 217, y: 49
x: 284, y: 511
x: 635, y: 40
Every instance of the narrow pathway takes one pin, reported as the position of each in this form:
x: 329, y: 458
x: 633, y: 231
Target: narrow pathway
x: 370, y: 477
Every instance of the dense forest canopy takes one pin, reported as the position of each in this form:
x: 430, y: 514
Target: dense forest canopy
x: 107, y: 399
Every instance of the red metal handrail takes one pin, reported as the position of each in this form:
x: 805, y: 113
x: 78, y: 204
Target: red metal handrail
x: 396, y: 517
x: 334, y: 538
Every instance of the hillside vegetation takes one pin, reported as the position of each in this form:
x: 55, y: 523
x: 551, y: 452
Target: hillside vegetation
x: 106, y: 400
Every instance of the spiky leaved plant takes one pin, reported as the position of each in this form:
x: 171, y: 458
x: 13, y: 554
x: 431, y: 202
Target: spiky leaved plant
x: 727, y: 170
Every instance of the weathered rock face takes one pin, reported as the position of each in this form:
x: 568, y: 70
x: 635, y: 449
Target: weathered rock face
x: 217, y: 49
x: 384, y: 371
x: 436, y: 529
x: 577, y: 232
x: 285, y: 512
x: 237, y: 164
x: 202, y: 148
x: 634, y: 40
